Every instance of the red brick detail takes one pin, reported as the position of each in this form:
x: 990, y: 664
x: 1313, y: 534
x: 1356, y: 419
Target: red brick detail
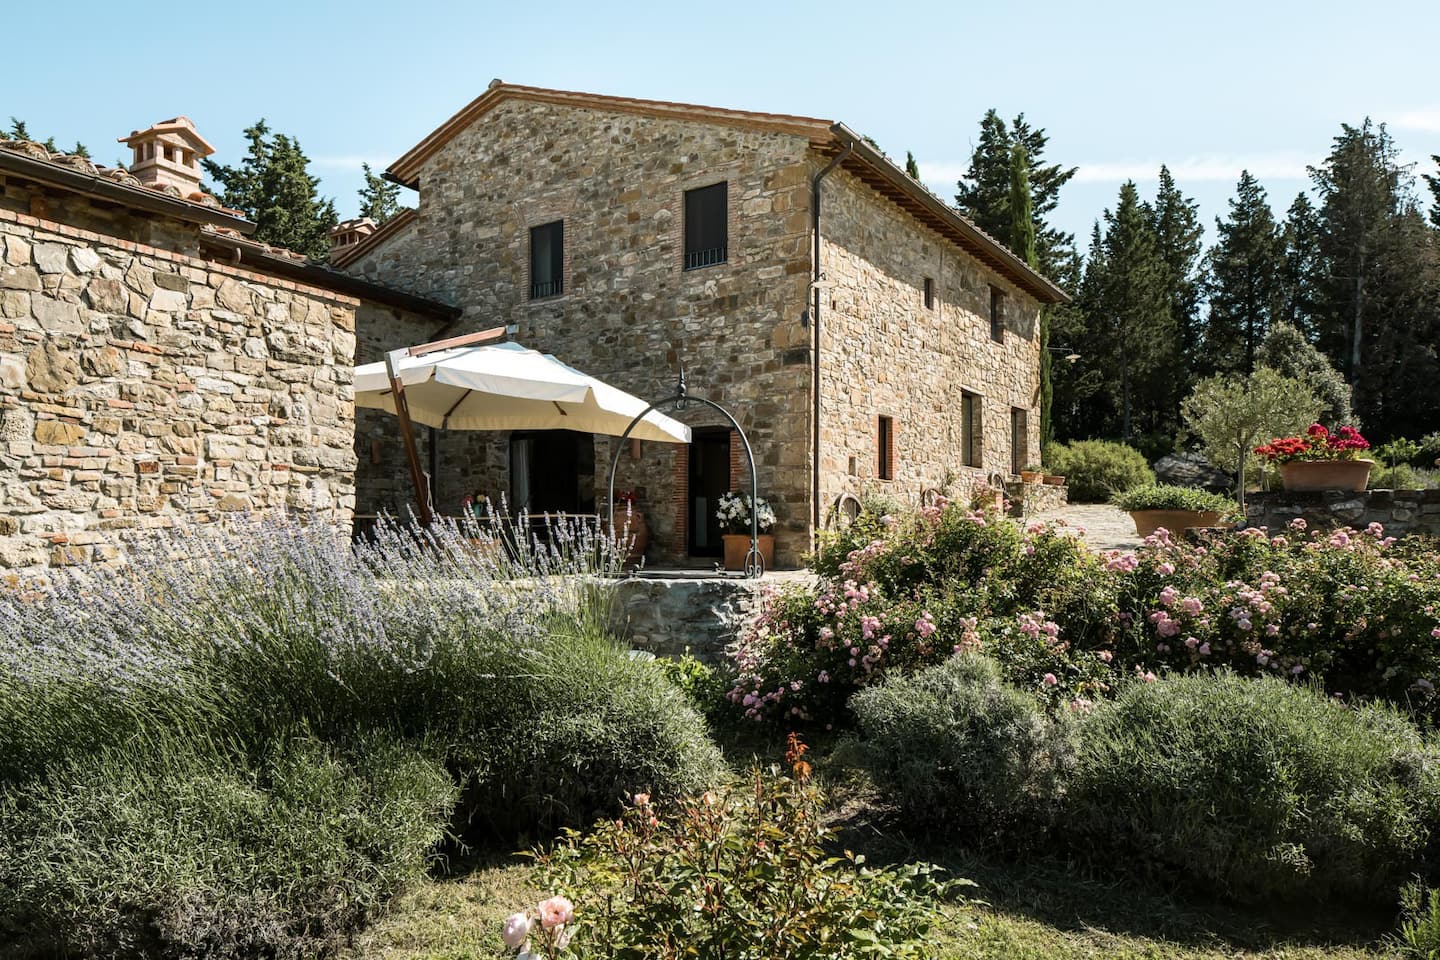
x: 680, y: 499
x: 739, y: 471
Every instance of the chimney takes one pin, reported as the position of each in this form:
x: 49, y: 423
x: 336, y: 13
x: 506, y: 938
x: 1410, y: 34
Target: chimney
x: 168, y: 155
x: 347, y: 233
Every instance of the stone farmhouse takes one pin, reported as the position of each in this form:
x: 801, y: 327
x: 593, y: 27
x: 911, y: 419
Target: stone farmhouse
x: 864, y: 334
x: 154, y: 363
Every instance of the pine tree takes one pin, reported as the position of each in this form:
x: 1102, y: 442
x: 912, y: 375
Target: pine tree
x: 912, y: 169
x: 273, y: 187
x: 984, y: 192
x: 1359, y: 186
x: 1304, y: 267
x: 19, y: 131
x: 1246, y: 282
x: 379, y: 198
x: 1176, y: 224
x: 1135, y: 311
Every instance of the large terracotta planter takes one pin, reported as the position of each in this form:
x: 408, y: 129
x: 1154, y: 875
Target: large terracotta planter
x: 1309, y: 475
x: 1053, y: 480
x: 1176, y: 521
x: 1031, y: 476
x: 738, y: 544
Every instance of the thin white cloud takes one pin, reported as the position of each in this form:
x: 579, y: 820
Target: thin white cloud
x: 350, y: 162
x: 1426, y: 120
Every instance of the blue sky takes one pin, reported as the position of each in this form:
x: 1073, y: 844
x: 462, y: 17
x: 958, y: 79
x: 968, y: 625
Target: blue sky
x: 1208, y: 87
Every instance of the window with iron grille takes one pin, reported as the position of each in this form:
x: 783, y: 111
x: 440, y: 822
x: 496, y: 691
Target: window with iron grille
x: 929, y: 294
x: 707, y: 232
x: 885, y: 448
x: 970, y: 422
x: 997, y: 315
x: 547, y: 260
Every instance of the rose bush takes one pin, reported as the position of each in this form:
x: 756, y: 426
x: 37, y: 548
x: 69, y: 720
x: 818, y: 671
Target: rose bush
x: 1352, y: 609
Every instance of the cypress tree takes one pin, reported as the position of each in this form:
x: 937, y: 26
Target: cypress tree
x: 912, y: 169
x: 1433, y: 182
x: 1304, y: 267
x: 273, y: 186
x: 379, y: 198
x: 1176, y: 225
x: 1022, y: 241
x: 1246, y: 282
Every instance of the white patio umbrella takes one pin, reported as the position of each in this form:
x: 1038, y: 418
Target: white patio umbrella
x: 505, y: 386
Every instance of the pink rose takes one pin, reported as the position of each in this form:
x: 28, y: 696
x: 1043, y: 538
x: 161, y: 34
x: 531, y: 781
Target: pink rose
x: 1049, y: 680
x: 555, y: 911
x: 517, y: 928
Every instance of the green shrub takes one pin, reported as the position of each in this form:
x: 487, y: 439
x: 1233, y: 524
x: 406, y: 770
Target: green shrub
x: 1403, y: 476
x: 746, y: 872
x: 1162, y: 496
x: 963, y: 753
x: 1096, y: 470
x: 704, y: 689
x: 1255, y: 788
x: 199, y: 854
x: 1419, y: 937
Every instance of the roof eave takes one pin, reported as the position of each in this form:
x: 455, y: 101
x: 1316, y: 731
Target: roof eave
x: 1005, y: 260
x: 102, y: 188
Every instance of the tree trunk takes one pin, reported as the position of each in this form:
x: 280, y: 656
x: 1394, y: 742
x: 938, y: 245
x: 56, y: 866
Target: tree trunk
x: 1357, y: 326
x: 1124, y: 394
x: 1240, y: 479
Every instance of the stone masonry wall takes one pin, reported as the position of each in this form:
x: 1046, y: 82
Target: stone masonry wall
x: 1400, y: 512
x: 629, y: 314
x: 885, y: 354
x: 141, y: 385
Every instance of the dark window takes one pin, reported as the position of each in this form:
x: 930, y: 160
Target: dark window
x: 970, y: 424
x: 1019, y: 438
x: 547, y: 260
x: 885, y: 449
x: 707, y: 234
x: 929, y: 294
x: 997, y: 315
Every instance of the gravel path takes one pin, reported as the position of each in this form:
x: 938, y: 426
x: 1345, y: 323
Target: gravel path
x: 1102, y: 526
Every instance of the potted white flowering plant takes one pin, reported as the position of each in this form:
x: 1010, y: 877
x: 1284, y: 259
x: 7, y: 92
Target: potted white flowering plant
x: 733, y: 512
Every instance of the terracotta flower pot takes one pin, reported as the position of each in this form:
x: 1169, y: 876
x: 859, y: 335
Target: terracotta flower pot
x: 738, y: 544
x: 1309, y: 475
x: 1176, y: 521
x: 1054, y: 481
x: 638, y: 532
x: 1032, y: 476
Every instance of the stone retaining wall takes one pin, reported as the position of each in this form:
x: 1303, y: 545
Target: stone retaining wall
x: 701, y: 616
x: 1030, y: 499
x: 139, y: 385
x: 1401, y: 512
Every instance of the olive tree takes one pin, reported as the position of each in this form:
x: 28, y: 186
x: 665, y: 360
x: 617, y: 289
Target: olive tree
x: 1229, y: 415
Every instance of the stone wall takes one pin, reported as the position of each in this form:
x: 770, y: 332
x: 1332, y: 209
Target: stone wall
x: 1401, y: 512
x: 139, y: 385
x: 884, y: 353
x: 699, y: 616
x: 630, y: 314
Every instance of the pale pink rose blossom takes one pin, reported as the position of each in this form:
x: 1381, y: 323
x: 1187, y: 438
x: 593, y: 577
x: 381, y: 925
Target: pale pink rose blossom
x: 1049, y: 680
x: 516, y: 929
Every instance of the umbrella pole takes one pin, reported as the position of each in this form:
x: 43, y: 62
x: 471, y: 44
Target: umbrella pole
x: 407, y: 433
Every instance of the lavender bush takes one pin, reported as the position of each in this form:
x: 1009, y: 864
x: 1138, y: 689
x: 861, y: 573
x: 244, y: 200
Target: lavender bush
x: 477, y: 647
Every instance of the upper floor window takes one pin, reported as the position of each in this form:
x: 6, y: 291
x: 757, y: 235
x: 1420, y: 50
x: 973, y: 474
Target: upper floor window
x: 547, y: 260
x: 929, y: 293
x: 707, y: 231
x: 997, y: 315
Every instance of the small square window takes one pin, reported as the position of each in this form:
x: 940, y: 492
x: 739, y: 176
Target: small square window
x: 707, y: 231
x: 885, y: 448
x: 997, y: 315
x: 929, y: 293
x: 547, y: 260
